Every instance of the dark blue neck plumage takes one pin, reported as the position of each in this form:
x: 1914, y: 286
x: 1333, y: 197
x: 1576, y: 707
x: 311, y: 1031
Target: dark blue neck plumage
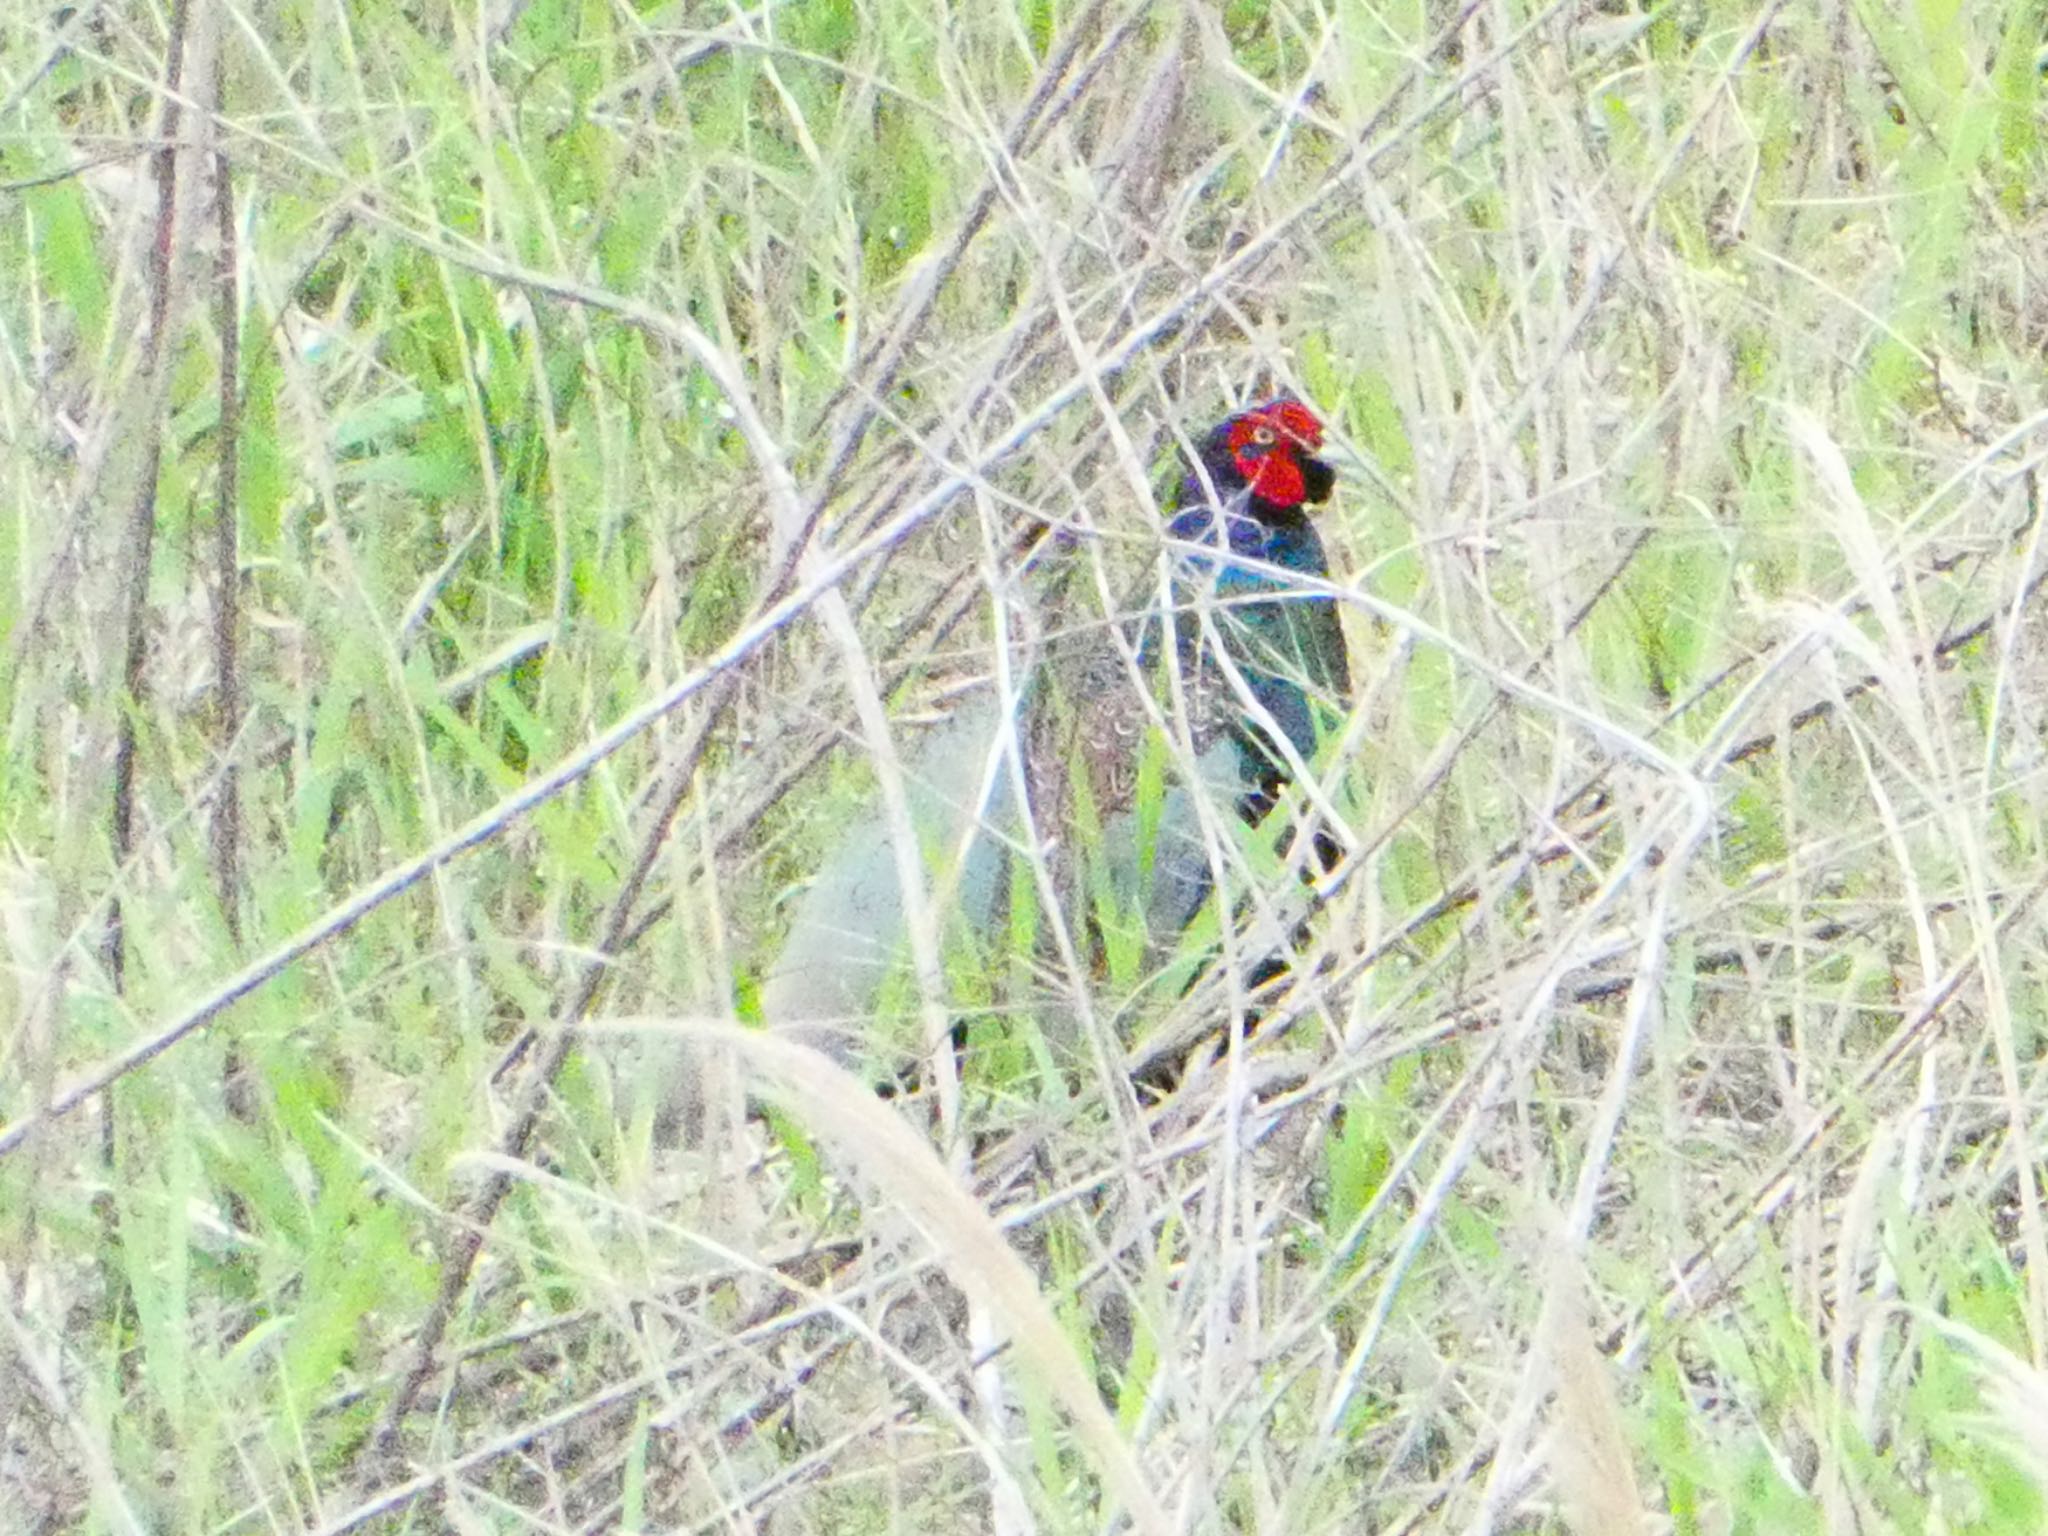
x: 1284, y: 648
x: 1251, y: 526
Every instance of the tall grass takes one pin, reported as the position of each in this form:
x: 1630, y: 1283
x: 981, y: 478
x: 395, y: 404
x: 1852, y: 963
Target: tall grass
x: 643, y: 421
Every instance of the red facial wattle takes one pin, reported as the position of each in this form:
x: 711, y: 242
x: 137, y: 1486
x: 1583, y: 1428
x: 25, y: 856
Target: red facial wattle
x: 1266, y: 446
x: 1274, y: 476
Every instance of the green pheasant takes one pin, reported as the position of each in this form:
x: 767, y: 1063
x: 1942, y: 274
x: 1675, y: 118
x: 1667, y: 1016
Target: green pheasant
x: 1262, y: 667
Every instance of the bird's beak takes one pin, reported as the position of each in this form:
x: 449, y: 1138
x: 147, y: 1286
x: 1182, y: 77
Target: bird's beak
x: 1342, y: 456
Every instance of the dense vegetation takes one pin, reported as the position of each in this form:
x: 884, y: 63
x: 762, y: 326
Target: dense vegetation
x: 478, y: 477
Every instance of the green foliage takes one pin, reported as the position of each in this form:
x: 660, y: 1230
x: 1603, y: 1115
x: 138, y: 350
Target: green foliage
x: 1357, y: 1155
x: 897, y: 187
x: 67, y: 257
x: 1558, y: 278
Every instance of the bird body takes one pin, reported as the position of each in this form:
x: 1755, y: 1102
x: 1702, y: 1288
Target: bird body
x: 1120, y: 831
x: 1288, y: 647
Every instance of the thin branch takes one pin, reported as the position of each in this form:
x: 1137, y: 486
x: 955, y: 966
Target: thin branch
x: 226, y: 829
x: 139, y: 546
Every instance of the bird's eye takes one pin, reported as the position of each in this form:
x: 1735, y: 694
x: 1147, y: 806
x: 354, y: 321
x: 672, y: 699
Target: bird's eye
x: 1264, y: 436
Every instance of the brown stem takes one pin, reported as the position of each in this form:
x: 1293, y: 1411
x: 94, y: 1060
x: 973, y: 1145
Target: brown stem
x: 141, y: 533
x: 226, y: 827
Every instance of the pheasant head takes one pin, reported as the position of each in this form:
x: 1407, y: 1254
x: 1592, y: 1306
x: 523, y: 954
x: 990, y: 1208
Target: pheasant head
x: 1269, y: 451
